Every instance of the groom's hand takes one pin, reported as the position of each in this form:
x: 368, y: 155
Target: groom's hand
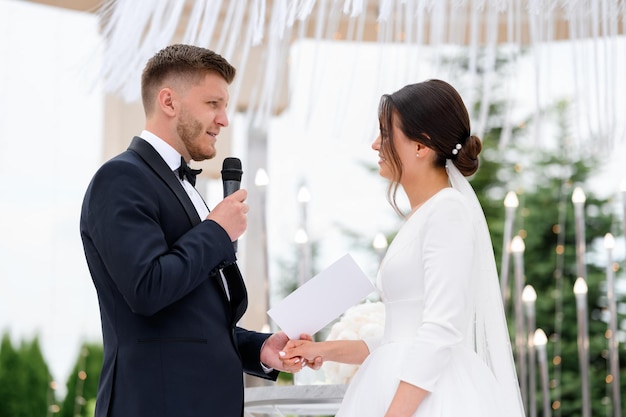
x: 270, y: 354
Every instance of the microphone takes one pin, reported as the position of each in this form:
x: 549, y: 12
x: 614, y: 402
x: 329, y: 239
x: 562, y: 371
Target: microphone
x: 231, y: 179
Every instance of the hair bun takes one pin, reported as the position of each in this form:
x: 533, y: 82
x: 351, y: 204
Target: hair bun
x: 466, y: 159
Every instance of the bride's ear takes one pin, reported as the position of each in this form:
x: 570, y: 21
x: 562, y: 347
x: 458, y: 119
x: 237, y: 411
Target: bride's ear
x: 421, y: 150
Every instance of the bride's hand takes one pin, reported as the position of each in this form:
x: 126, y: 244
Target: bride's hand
x: 305, y: 349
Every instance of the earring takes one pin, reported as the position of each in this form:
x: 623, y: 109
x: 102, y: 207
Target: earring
x: 417, y: 154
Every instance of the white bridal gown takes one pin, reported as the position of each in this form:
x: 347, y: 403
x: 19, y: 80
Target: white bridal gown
x: 426, y: 284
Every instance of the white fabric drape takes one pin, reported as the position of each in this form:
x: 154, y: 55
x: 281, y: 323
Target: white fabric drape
x: 134, y: 31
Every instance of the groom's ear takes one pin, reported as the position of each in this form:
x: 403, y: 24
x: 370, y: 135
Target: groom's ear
x: 165, y: 101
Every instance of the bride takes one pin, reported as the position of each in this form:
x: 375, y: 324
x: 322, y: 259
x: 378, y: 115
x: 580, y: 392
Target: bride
x: 445, y: 350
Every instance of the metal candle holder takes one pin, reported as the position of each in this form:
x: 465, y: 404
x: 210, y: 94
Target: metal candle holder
x: 510, y: 203
x: 517, y: 248
x: 609, y: 244
x: 540, y: 340
x: 580, y: 290
x: 529, y: 296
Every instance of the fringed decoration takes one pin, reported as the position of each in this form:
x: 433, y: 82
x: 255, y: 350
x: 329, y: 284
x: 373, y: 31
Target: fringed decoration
x: 133, y: 31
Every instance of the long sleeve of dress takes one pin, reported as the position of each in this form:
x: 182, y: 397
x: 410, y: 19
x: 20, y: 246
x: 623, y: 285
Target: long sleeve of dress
x: 445, y: 246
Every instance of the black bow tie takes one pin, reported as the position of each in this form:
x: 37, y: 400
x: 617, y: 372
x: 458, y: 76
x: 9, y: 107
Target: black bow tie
x: 184, y: 171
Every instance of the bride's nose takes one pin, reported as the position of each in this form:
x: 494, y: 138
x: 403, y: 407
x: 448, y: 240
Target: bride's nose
x: 376, y: 143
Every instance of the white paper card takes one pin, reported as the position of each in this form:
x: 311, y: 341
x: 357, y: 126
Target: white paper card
x: 322, y: 299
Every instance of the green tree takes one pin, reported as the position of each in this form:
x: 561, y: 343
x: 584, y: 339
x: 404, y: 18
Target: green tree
x: 36, y: 377
x: 11, y: 379
x: 82, y: 384
x: 547, y: 224
x: 24, y: 379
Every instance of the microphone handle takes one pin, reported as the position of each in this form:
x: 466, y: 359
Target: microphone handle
x: 230, y: 186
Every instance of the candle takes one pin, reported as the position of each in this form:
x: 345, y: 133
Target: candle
x: 517, y: 248
x: 539, y: 341
x: 510, y: 203
x: 302, y: 236
x: 529, y: 296
x: 380, y: 246
x: 578, y: 198
x: 580, y: 290
x: 260, y: 178
x: 624, y: 206
x: 609, y: 244
x: 261, y: 181
x: 302, y: 239
x: 304, y: 195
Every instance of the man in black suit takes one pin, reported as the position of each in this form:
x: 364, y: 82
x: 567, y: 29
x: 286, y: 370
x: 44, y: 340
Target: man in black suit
x: 169, y: 290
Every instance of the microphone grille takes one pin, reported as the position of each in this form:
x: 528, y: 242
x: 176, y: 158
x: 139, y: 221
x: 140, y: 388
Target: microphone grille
x: 231, y: 169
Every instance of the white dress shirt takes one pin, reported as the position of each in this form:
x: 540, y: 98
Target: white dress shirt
x: 172, y: 159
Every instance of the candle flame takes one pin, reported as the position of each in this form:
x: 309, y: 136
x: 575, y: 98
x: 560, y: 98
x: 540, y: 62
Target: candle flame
x: 517, y: 245
x: 380, y: 241
x: 609, y: 241
x: 580, y: 286
x: 578, y: 196
x: 540, y: 338
x: 304, y: 196
x: 511, y: 200
x: 529, y: 295
x: 301, y: 237
x: 261, y: 179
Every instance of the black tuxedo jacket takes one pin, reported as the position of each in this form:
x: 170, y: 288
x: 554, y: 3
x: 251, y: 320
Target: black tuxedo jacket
x: 171, y: 343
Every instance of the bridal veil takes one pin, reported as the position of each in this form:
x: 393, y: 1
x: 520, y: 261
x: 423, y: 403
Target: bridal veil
x: 488, y: 332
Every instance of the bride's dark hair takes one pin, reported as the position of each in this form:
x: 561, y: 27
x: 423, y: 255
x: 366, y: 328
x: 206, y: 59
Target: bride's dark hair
x: 431, y: 113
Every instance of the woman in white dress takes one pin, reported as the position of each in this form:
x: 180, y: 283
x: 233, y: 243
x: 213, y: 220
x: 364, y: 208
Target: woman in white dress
x: 445, y: 351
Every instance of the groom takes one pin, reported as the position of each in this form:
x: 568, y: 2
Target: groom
x: 169, y: 290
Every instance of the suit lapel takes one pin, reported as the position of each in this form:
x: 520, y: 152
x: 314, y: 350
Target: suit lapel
x: 237, y: 291
x: 236, y: 286
x: 158, y: 165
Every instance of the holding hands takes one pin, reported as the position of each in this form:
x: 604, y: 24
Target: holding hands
x: 343, y: 351
x: 273, y: 354
x: 304, y: 349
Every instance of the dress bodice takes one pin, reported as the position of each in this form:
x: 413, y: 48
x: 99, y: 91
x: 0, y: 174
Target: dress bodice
x: 415, y: 255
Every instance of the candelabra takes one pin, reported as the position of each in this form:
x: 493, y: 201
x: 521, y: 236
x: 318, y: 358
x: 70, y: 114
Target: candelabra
x: 609, y: 244
x: 510, y: 203
x: 623, y: 187
x: 578, y: 199
x: 261, y: 180
x: 517, y: 248
x: 580, y: 290
x: 529, y: 296
x: 302, y: 236
x: 540, y: 340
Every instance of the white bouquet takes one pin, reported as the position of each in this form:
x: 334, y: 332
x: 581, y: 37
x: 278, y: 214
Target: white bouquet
x: 361, y: 321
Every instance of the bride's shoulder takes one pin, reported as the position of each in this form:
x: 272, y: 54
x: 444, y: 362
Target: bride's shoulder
x: 449, y: 203
x: 448, y: 196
